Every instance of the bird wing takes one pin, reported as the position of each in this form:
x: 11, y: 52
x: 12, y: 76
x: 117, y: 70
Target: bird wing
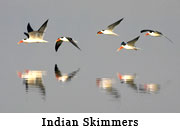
x: 132, y: 42
x: 72, y: 74
x: 43, y: 27
x: 168, y: 39
x: 133, y: 86
x: 74, y: 43
x: 26, y: 34
x: 111, y: 27
x: 29, y: 28
x: 57, y: 71
x: 58, y: 44
x: 146, y: 30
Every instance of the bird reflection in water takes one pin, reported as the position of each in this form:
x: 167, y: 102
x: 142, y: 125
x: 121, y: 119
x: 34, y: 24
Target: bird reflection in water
x: 33, y: 79
x: 140, y: 88
x: 149, y: 88
x: 64, y: 77
x: 128, y: 79
x: 107, y: 85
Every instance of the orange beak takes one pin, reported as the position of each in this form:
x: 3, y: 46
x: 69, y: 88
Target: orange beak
x: 58, y: 39
x: 119, y: 48
x: 119, y: 76
x: 19, y: 74
x: 99, y: 32
x: 98, y: 81
x: 146, y: 34
x: 20, y: 42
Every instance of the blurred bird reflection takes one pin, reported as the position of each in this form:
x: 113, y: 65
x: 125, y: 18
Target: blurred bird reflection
x: 33, y: 79
x: 149, y: 88
x: 140, y: 88
x: 64, y: 77
x: 128, y: 79
x: 107, y: 85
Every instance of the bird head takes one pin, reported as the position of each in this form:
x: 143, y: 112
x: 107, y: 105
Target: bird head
x: 119, y: 76
x: 19, y: 74
x: 59, y: 39
x: 23, y: 40
x: 100, y: 32
x: 147, y: 34
x: 122, y: 46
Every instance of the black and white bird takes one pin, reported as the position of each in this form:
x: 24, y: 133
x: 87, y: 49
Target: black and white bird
x: 110, y: 28
x: 60, y: 40
x: 64, y: 77
x: 154, y: 34
x: 129, y: 45
x: 35, y: 36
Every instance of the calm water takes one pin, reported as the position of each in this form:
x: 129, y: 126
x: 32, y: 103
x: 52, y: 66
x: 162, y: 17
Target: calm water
x: 157, y: 63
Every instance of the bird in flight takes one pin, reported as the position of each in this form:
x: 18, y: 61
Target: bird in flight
x: 110, y: 28
x: 60, y: 40
x: 155, y: 34
x: 35, y: 36
x: 129, y: 45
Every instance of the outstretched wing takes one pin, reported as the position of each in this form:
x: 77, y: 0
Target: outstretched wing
x: 43, y: 27
x: 146, y: 30
x: 74, y: 43
x: 111, y: 27
x: 132, y: 42
x: 72, y: 74
x: 29, y: 28
x: 57, y: 71
x: 58, y: 44
x: 168, y: 39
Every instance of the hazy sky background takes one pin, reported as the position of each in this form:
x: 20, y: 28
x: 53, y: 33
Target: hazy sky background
x: 157, y: 62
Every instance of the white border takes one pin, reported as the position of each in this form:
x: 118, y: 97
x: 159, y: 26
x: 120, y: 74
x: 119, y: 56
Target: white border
x: 149, y: 125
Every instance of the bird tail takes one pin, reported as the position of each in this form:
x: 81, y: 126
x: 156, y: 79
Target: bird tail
x: 115, y: 34
x: 137, y: 48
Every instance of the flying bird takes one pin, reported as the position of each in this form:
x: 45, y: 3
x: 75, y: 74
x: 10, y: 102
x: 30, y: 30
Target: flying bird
x: 110, y: 28
x: 60, y: 40
x: 35, y: 36
x: 155, y: 34
x: 64, y: 77
x: 129, y: 45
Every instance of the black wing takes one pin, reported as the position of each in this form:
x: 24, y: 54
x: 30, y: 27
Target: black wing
x: 29, y: 28
x: 146, y: 30
x: 58, y: 44
x: 70, y: 40
x: 26, y: 34
x: 57, y: 71
x: 43, y: 27
x: 72, y: 74
x: 111, y: 27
